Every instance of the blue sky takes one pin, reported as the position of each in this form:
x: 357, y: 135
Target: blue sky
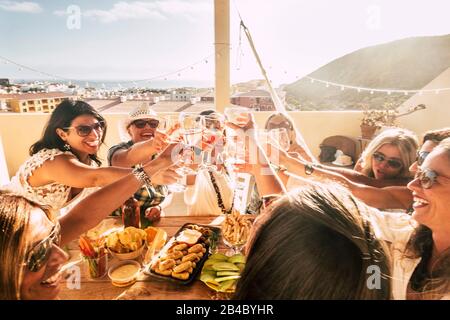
x: 143, y: 39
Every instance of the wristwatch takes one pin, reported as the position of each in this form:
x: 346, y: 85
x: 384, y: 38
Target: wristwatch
x: 309, y: 169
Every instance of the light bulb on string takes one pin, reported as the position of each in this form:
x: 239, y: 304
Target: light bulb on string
x: 389, y: 93
x: 342, y: 88
x: 359, y: 89
x: 406, y: 93
x: 327, y: 85
x: 371, y: 92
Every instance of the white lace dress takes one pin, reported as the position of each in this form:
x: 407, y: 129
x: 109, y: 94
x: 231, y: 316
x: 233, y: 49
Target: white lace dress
x: 53, y: 196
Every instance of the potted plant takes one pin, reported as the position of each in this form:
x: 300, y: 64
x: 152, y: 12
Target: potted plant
x: 375, y: 119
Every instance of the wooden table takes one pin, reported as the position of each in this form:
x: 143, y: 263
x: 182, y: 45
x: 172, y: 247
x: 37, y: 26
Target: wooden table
x: 146, y: 287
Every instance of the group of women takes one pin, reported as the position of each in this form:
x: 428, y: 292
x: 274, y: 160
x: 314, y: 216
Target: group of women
x: 321, y: 231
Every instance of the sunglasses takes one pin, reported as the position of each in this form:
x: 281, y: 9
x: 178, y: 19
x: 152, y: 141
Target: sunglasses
x: 140, y: 124
x: 427, y: 177
x: 38, y: 256
x: 85, y: 130
x: 394, y: 164
x: 421, y: 156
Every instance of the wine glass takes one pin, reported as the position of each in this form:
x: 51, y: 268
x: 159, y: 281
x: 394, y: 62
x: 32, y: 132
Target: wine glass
x: 280, y: 138
x: 240, y: 116
x: 213, y: 134
x: 191, y: 129
x: 169, y: 125
x: 236, y: 231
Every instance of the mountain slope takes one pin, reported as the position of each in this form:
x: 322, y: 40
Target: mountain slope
x: 403, y: 64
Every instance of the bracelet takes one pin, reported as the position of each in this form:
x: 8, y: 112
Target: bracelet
x: 141, y: 175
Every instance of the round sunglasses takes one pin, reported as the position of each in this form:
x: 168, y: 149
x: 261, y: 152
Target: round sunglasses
x: 141, y: 123
x: 393, y: 163
x: 84, y: 130
x: 38, y: 256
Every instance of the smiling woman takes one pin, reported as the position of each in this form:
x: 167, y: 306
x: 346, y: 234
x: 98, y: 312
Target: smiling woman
x: 430, y: 242
x: 64, y: 163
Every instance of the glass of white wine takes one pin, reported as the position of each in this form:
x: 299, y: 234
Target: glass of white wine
x: 280, y: 138
x: 213, y: 135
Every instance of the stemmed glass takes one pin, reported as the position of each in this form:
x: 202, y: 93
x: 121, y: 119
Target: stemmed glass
x: 191, y: 127
x: 280, y: 138
x: 240, y: 116
x: 169, y: 125
x: 213, y: 134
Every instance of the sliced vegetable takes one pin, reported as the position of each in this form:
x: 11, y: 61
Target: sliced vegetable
x: 221, y: 279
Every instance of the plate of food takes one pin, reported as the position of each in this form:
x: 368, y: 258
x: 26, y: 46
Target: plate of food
x: 221, y: 272
x: 183, y: 256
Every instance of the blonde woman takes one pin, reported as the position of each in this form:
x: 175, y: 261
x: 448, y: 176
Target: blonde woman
x: 389, y: 155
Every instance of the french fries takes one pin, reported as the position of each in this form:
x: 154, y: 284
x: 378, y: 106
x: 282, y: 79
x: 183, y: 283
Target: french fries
x: 236, y: 228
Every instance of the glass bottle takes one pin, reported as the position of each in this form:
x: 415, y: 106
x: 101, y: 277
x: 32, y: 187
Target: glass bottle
x: 131, y: 213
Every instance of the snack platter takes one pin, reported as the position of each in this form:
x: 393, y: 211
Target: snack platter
x: 182, y: 258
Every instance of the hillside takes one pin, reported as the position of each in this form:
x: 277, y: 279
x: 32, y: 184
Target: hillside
x: 403, y: 64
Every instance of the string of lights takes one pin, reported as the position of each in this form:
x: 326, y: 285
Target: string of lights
x: 373, y: 90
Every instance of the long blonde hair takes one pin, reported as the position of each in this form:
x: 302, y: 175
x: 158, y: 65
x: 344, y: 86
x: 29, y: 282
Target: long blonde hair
x: 407, y: 143
x: 14, y: 217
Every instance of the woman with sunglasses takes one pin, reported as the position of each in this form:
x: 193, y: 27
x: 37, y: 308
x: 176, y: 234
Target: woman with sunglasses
x: 390, y: 197
x: 384, y: 162
x: 388, y: 157
x: 31, y: 257
x: 419, y: 245
x: 421, y: 261
x: 142, y: 141
x: 64, y: 161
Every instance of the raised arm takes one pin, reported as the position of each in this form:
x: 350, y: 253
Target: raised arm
x: 139, y: 152
x: 91, y: 210
x: 358, y: 177
x: 257, y: 163
x: 67, y: 170
x: 393, y: 197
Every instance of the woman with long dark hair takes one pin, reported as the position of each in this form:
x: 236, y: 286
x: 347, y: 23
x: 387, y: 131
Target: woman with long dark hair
x: 315, y: 243
x: 64, y: 161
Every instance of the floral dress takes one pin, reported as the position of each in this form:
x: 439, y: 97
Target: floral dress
x: 53, y: 196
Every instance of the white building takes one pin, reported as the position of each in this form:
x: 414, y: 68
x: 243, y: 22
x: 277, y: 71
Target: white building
x: 181, y: 95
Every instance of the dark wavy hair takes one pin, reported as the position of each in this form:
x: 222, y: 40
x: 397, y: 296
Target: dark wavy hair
x: 437, y: 280
x: 62, y: 117
x: 315, y: 243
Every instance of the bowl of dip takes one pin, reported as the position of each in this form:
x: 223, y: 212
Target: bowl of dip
x: 124, y: 273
